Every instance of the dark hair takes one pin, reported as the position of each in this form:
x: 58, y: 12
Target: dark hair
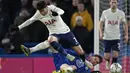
x: 41, y: 5
x: 100, y: 58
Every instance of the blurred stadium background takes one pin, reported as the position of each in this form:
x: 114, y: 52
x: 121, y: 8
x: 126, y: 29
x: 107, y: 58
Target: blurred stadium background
x: 15, y: 12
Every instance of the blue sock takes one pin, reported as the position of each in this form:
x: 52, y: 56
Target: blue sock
x: 58, y: 47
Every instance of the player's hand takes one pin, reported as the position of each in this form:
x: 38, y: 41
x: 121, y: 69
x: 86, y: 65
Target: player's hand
x: 13, y: 28
x: 101, y: 36
x: 88, y: 64
x: 126, y: 38
x: 54, y: 13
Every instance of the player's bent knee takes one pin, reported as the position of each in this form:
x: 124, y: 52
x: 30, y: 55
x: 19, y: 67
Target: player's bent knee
x: 66, y: 67
x: 52, y: 39
x: 74, y: 67
x: 115, y: 53
x: 63, y: 66
x: 107, y: 56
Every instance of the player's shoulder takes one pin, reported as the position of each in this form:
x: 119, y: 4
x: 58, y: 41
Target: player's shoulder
x: 120, y: 11
x: 37, y: 13
x: 36, y: 16
x: 106, y: 10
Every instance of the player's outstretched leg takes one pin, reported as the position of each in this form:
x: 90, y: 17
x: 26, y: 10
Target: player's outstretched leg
x: 25, y: 50
x: 80, y: 52
x: 40, y: 46
x: 61, y: 50
x: 54, y: 43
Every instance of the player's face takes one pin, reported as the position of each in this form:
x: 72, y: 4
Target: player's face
x: 113, y: 4
x: 44, y: 11
x: 95, y: 60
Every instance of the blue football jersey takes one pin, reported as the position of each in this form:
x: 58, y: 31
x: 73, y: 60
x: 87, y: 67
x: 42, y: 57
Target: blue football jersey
x: 60, y: 59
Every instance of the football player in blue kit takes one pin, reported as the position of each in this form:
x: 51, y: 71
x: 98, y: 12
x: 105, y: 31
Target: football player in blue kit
x: 63, y: 65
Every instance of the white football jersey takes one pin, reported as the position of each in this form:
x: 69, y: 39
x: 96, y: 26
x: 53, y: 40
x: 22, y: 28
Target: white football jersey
x: 112, y: 23
x: 55, y: 24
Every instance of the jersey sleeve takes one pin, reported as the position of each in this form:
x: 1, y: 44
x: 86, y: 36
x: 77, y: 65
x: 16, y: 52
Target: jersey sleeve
x: 123, y: 18
x: 102, y: 16
x: 56, y: 9
x: 29, y: 21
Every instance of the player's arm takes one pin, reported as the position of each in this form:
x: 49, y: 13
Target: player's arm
x: 125, y: 26
x: 100, y: 28
x: 26, y: 23
x: 88, y: 64
x: 56, y: 9
x: 29, y: 21
x: 102, y: 19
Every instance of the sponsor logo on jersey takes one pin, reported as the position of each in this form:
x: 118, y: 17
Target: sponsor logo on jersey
x: 113, y: 22
x: 49, y: 22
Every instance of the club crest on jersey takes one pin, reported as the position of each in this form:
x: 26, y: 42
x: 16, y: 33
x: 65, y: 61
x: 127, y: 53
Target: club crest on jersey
x: 113, y: 22
x: 79, y: 63
x: 49, y: 22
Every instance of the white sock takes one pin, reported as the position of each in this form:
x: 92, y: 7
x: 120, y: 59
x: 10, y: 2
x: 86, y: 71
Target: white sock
x: 40, y: 46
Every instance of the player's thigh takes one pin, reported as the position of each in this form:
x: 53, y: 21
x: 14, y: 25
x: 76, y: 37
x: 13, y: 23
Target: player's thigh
x: 70, y: 39
x: 59, y: 60
x: 116, y: 48
x: 107, y: 56
x: 116, y: 45
x: 107, y: 46
x: 73, y: 42
x: 115, y: 53
x: 52, y: 38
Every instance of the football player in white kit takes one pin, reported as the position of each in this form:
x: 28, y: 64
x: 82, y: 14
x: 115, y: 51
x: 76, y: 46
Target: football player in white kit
x: 50, y: 16
x: 112, y: 18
